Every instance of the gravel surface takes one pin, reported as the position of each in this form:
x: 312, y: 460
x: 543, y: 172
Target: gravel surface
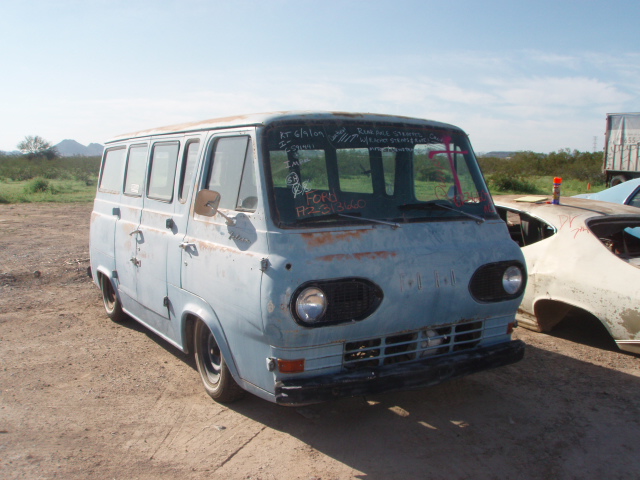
x: 83, y: 397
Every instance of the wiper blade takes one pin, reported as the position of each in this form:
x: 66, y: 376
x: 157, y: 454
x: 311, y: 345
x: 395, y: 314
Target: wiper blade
x: 337, y: 216
x: 373, y: 220
x: 430, y: 205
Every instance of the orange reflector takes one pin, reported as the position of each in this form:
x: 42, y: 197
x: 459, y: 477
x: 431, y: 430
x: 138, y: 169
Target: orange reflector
x: 510, y: 328
x: 291, y: 366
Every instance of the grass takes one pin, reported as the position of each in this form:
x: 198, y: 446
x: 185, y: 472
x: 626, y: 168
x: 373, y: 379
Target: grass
x: 73, y: 179
x: 543, y: 185
x: 62, y: 180
x: 77, y: 191
x: 59, y: 191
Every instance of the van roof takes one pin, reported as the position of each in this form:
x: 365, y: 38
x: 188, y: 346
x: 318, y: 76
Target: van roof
x: 264, y: 119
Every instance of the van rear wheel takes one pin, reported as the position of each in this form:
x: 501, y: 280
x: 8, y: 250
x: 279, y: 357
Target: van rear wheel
x: 110, y: 300
x: 215, y: 374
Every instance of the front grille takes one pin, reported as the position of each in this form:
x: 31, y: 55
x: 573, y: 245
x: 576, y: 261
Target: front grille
x: 412, y: 346
x: 350, y: 300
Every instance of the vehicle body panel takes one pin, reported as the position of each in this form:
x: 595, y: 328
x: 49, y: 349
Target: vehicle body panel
x: 573, y: 267
x: 622, y: 147
x: 240, y: 269
x: 626, y: 193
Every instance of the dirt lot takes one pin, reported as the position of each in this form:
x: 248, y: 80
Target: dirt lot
x: 82, y: 397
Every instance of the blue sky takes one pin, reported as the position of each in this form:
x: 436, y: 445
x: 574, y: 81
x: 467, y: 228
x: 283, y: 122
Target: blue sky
x: 516, y: 75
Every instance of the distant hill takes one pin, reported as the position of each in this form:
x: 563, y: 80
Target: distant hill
x: 71, y: 148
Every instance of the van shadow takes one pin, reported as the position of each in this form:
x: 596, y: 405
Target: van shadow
x: 136, y: 326
x: 549, y: 416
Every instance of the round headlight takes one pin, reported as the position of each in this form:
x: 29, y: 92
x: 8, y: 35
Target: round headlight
x: 311, y: 304
x: 512, y: 280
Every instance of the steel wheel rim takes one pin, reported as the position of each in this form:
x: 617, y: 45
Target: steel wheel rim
x: 108, y: 295
x: 212, y: 359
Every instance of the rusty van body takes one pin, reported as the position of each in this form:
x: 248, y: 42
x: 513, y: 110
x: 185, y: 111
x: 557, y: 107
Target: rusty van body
x: 306, y: 256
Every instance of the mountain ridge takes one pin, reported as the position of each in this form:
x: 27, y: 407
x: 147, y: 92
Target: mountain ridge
x: 71, y: 148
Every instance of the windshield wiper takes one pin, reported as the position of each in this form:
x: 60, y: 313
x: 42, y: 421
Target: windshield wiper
x: 336, y: 216
x: 430, y: 205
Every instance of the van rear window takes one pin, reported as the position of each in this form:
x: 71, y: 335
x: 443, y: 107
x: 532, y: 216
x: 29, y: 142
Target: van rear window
x: 111, y: 179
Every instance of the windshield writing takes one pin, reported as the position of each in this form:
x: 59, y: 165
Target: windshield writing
x: 373, y: 171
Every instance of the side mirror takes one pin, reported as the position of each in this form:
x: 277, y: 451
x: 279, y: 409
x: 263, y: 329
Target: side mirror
x: 207, y: 202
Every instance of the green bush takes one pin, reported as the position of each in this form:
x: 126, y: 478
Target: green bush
x: 575, y: 165
x: 506, y: 183
x: 19, y: 168
x: 39, y: 185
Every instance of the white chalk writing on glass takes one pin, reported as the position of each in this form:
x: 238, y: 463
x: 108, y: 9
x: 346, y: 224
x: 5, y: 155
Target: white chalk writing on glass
x: 297, y: 187
x: 290, y: 140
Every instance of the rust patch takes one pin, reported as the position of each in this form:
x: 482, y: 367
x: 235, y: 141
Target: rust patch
x: 327, y: 238
x: 216, y: 247
x: 357, y: 256
x: 631, y: 321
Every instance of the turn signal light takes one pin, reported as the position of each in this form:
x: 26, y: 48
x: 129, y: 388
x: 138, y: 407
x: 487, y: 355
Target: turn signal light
x: 291, y: 366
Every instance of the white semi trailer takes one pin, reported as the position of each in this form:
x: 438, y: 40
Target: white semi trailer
x: 621, y: 146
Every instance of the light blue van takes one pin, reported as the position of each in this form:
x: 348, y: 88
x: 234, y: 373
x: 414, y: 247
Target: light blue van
x: 307, y: 256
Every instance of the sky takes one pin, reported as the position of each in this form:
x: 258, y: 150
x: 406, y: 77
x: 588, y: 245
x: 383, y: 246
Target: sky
x: 515, y: 75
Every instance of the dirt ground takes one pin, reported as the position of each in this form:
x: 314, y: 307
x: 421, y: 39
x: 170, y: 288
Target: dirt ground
x: 82, y: 397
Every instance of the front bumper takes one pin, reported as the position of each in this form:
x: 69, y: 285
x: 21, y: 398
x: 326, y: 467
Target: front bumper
x: 425, y: 373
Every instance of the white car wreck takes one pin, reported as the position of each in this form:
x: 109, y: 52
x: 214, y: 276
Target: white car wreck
x: 579, y: 254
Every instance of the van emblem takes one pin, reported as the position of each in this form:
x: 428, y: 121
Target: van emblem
x: 235, y: 236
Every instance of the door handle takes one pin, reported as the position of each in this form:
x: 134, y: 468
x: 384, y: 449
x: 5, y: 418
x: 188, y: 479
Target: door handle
x: 185, y: 245
x: 136, y: 232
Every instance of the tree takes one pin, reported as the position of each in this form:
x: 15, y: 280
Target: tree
x: 35, y: 146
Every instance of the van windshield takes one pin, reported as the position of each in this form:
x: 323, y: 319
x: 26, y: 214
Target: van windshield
x: 323, y: 173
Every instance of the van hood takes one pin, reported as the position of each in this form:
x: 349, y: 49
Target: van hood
x: 422, y: 269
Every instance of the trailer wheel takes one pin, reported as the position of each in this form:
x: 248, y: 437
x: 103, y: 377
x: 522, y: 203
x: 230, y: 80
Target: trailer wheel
x: 110, y: 300
x: 215, y: 375
x: 617, y: 180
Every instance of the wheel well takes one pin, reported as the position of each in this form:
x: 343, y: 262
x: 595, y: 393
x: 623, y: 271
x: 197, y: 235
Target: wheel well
x: 189, y: 327
x: 550, y: 312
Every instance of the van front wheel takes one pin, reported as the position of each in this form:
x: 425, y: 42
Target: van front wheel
x: 215, y: 374
x: 110, y: 300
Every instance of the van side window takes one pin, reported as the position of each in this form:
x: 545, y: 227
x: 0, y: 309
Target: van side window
x: 188, y: 165
x: 226, y: 172
x: 111, y: 180
x: 135, y: 170
x: 164, y: 158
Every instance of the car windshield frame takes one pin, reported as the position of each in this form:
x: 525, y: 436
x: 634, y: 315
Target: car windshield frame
x: 387, y: 172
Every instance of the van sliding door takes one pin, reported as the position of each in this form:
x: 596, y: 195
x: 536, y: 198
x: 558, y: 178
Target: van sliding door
x: 127, y: 234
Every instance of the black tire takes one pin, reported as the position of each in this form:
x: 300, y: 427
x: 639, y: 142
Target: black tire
x: 110, y: 300
x: 215, y: 375
x: 617, y: 180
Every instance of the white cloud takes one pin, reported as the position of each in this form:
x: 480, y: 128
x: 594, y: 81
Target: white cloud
x: 529, y: 100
